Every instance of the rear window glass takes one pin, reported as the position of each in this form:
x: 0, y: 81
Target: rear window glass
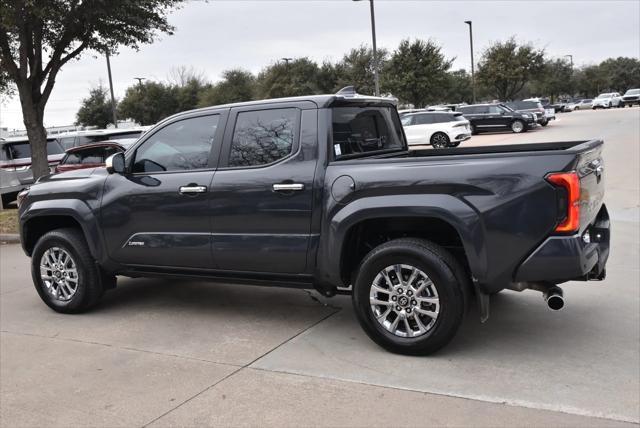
x: 22, y: 150
x: 91, y: 155
x: 365, y: 130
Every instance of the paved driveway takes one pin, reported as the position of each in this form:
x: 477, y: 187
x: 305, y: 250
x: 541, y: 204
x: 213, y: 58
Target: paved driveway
x: 188, y: 353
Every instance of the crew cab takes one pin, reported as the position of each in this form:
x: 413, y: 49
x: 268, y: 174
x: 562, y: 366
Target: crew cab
x: 631, y: 97
x: 497, y: 117
x: 322, y: 192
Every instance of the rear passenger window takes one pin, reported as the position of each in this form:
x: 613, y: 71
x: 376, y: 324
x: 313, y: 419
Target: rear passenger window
x: 424, y: 119
x: 262, y: 137
x: 180, y: 146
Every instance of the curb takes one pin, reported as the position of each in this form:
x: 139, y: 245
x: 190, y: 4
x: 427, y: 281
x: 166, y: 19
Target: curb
x: 9, y: 238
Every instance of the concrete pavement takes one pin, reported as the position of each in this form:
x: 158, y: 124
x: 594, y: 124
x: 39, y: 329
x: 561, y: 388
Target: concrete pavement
x: 171, y: 353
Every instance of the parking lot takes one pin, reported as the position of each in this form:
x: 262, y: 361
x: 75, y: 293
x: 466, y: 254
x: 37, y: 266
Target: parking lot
x: 164, y: 353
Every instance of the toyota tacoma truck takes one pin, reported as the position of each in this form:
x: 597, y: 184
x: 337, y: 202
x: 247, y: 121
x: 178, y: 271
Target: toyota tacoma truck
x: 322, y: 192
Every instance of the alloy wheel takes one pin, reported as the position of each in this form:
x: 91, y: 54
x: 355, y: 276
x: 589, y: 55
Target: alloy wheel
x: 59, y: 273
x: 404, y: 300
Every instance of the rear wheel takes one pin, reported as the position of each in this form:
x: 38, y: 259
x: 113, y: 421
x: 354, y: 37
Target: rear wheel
x: 439, y: 140
x: 409, y: 296
x: 64, y: 273
x: 544, y: 122
x: 517, y: 126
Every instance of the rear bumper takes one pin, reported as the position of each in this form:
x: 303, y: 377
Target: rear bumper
x: 565, y: 258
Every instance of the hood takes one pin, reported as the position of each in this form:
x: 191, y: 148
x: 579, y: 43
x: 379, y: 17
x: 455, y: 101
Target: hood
x: 73, y: 175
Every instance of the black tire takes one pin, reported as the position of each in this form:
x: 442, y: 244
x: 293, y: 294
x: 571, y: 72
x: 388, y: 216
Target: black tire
x: 89, y: 285
x: 448, y: 276
x: 518, y: 126
x: 454, y: 144
x: 474, y: 130
x: 545, y: 122
x: 439, y: 140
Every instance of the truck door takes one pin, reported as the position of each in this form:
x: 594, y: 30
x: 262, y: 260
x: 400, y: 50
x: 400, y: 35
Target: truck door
x: 158, y: 213
x: 262, y: 193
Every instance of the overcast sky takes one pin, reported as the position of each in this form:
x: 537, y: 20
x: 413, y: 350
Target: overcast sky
x: 217, y: 35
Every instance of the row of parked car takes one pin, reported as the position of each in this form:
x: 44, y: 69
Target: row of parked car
x: 446, y: 126
x: 65, y: 152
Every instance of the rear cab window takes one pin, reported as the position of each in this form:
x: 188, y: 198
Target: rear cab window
x: 365, y: 131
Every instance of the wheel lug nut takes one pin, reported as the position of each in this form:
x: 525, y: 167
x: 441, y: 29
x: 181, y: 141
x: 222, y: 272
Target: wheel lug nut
x: 398, y: 308
x: 408, y: 310
x: 394, y: 298
x: 413, y: 302
x: 409, y: 293
x: 399, y: 290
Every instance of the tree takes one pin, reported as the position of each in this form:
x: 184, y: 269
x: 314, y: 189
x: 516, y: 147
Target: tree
x: 505, y: 68
x: 357, y: 68
x: 38, y: 37
x: 417, y: 72
x: 6, y: 88
x: 623, y: 73
x: 236, y: 85
x: 95, y: 110
x: 295, y: 78
x: 591, y: 80
x: 149, y: 102
x: 458, y: 88
x: 555, y: 78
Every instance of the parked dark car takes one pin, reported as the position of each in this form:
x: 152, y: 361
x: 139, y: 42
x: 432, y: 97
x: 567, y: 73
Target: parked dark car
x: 15, y: 165
x: 496, y: 117
x: 631, y: 97
x: 322, y: 192
x: 89, y: 156
x: 531, y: 107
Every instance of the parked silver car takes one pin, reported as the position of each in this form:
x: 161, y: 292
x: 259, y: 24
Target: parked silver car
x: 15, y: 165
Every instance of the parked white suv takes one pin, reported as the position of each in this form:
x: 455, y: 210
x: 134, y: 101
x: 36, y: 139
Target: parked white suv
x: 436, y: 128
x: 607, y: 100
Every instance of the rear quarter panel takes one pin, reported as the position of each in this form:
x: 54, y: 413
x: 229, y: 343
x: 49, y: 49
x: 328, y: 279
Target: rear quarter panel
x: 500, y: 204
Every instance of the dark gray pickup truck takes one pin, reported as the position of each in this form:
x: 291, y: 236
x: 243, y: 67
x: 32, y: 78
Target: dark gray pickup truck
x: 322, y: 192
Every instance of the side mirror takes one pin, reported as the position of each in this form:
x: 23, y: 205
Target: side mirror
x: 115, y: 163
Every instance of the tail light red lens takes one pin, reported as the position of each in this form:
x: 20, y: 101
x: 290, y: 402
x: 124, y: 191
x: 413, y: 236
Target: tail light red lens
x: 570, y: 182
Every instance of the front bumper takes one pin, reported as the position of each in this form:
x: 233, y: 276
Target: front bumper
x: 631, y: 100
x: 564, y: 258
x: 603, y: 104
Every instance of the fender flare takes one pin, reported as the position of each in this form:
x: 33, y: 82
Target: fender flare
x: 454, y: 211
x: 78, y: 210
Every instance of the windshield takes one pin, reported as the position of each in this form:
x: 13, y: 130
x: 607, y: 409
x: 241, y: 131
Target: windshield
x: 633, y: 92
x: 406, y: 120
x: 604, y: 96
x: 364, y: 130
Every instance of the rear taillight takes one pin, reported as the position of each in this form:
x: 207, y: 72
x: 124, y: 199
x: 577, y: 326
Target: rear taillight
x: 8, y: 168
x: 569, y: 182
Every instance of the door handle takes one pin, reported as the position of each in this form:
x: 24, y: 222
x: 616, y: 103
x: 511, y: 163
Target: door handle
x: 192, y: 189
x: 288, y: 187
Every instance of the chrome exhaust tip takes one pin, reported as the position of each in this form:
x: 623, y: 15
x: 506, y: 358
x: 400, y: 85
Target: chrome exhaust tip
x: 554, y: 298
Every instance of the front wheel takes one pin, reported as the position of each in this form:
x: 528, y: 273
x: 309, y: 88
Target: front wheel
x: 64, y: 273
x: 545, y: 122
x: 517, y: 126
x: 409, y: 296
x: 439, y: 140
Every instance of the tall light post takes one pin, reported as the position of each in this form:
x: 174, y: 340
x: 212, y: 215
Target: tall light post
x: 113, y: 99
x: 376, y: 77
x: 287, y: 60
x: 570, y: 58
x: 473, y: 77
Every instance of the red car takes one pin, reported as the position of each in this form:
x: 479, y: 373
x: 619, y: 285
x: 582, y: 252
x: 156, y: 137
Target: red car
x: 89, y: 156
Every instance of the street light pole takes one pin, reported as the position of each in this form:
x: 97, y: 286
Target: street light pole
x: 473, y: 77
x: 113, y: 99
x: 286, y: 60
x: 376, y: 77
x: 570, y: 58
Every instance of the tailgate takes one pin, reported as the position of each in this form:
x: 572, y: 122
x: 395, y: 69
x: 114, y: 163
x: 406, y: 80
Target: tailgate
x: 590, y: 169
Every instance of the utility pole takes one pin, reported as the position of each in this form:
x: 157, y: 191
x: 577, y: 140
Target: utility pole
x: 473, y: 77
x: 376, y: 77
x: 113, y: 99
